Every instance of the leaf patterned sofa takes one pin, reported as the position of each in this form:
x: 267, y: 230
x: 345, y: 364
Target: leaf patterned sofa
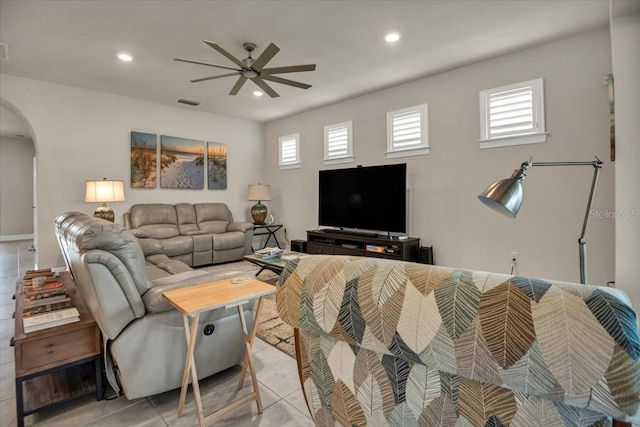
x: 387, y: 343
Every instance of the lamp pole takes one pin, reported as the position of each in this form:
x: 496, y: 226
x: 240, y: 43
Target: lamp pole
x: 582, y: 243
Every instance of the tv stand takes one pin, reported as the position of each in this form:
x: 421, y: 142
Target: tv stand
x: 352, y: 232
x: 341, y: 242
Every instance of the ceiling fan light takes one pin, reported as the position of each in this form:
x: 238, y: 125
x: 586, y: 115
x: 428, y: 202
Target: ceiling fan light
x: 250, y: 74
x: 257, y: 93
x: 392, y: 37
x: 125, y: 57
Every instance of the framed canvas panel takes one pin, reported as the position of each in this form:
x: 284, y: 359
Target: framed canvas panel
x: 182, y: 163
x: 217, y: 166
x: 144, y: 157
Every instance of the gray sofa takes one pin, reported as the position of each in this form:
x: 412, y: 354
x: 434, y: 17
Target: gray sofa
x: 196, y: 234
x: 143, y: 335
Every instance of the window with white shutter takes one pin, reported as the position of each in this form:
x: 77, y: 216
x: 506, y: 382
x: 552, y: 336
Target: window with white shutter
x: 512, y: 115
x: 338, y: 143
x: 407, y: 132
x: 289, y: 151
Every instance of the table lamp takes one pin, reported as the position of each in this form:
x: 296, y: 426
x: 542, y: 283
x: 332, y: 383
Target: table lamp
x: 505, y: 196
x: 259, y: 193
x: 102, y: 192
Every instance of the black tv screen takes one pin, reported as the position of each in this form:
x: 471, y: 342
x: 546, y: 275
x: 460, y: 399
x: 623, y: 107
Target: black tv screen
x: 366, y: 198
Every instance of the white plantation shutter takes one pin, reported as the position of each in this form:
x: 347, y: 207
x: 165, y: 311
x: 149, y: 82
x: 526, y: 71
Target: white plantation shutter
x: 338, y: 143
x: 513, y: 114
x: 289, y: 147
x: 407, y: 132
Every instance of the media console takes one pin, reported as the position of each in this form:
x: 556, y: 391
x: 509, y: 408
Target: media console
x: 330, y: 242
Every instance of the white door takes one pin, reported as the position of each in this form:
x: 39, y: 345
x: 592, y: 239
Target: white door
x: 35, y: 198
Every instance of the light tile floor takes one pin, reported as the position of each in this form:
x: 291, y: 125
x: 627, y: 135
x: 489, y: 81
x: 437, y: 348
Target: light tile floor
x: 282, y: 397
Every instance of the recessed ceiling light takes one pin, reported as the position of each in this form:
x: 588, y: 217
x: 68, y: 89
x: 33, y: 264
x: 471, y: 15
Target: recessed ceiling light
x: 257, y: 93
x: 125, y: 57
x: 392, y: 37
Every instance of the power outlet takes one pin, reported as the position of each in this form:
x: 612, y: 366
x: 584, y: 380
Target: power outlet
x: 515, y: 258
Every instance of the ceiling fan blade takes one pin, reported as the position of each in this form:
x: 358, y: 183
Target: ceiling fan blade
x: 190, y: 61
x: 215, y: 77
x: 289, y: 69
x: 225, y: 53
x: 265, y: 87
x: 265, y: 57
x: 238, y: 85
x: 285, y: 81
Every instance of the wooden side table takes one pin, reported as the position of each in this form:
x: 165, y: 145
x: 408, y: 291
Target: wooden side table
x: 193, y: 300
x: 56, y: 364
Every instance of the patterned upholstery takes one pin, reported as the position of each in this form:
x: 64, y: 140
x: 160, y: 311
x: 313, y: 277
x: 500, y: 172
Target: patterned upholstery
x: 387, y: 343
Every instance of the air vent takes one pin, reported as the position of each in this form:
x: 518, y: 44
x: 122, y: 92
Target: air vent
x: 188, y: 102
x: 4, y: 51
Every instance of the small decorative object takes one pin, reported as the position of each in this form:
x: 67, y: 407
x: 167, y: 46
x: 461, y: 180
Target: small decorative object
x: 102, y: 192
x: 271, y: 220
x: 181, y: 163
x: 239, y: 280
x: 216, y: 166
x: 259, y: 193
x: 144, y: 153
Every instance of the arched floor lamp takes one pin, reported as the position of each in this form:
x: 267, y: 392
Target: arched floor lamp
x: 505, y: 196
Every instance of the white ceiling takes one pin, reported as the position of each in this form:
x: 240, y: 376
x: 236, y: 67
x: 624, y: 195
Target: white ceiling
x: 75, y: 43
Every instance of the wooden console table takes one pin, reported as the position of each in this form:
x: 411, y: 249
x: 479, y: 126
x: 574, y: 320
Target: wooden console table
x: 193, y: 300
x: 56, y: 364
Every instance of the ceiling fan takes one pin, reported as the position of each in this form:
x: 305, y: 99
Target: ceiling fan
x: 253, y: 69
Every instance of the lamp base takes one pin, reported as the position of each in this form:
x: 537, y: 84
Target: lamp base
x: 259, y: 213
x: 105, y: 212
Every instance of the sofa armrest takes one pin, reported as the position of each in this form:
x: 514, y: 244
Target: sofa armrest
x: 240, y: 226
x: 139, y: 233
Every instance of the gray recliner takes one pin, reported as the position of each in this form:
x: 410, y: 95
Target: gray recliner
x: 143, y: 334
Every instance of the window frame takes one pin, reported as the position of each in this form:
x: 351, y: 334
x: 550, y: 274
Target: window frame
x: 292, y: 164
x: 346, y: 158
x: 536, y: 135
x: 419, y: 149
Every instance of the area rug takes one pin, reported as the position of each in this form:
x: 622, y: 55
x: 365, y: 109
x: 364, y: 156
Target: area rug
x: 271, y: 329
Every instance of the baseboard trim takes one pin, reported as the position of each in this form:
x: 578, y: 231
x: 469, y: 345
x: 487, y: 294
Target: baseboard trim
x: 14, y: 237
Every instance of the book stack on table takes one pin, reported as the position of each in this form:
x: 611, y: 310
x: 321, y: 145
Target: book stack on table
x: 269, y: 253
x: 46, y: 302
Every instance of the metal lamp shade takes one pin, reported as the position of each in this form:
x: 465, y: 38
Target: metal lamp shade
x: 504, y: 196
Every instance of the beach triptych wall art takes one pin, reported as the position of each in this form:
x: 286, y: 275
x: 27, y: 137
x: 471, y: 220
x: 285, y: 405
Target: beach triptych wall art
x: 143, y: 160
x: 181, y: 163
x: 217, y: 166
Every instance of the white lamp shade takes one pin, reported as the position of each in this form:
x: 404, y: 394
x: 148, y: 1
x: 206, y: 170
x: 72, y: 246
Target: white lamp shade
x: 104, y: 191
x: 259, y: 192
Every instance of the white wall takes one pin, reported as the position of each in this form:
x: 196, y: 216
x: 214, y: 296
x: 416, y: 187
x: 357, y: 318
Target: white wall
x: 81, y: 134
x: 443, y: 186
x: 16, y: 187
x: 625, y: 37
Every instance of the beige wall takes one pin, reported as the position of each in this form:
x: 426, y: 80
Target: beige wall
x: 16, y: 188
x: 443, y: 186
x: 81, y: 134
x: 625, y: 37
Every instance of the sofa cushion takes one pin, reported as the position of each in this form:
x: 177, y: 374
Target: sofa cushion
x: 212, y: 217
x: 158, y: 219
x: 179, y: 245
x: 187, y: 219
x: 230, y: 240
x: 84, y: 233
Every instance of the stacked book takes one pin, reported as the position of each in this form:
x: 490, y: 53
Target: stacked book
x: 46, y: 304
x: 269, y: 253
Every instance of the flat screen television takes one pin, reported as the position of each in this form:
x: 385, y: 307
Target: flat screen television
x: 364, y: 198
